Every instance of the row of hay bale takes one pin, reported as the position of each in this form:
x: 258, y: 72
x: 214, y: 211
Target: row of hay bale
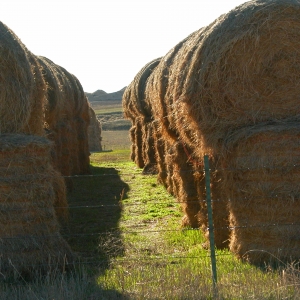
x: 230, y: 90
x: 66, y: 119
x: 136, y: 109
x: 44, y: 119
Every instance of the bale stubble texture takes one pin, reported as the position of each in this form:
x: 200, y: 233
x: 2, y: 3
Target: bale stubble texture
x: 30, y: 240
x: 139, y: 113
x: 262, y: 182
x: 94, y: 132
x: 22, y: 89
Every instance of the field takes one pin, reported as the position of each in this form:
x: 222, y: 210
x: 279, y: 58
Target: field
x: 110, y: 115
x: 125, y: 229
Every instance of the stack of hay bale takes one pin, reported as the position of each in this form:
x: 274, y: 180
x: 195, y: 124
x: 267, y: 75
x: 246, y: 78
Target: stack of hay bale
x: 231, y: 92
x: 30, y: 188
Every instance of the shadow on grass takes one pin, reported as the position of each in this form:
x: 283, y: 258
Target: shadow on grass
x: 94, y: 213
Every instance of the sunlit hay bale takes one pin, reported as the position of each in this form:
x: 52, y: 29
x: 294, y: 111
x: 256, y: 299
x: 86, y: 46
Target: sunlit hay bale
x: 158, y: 96
x: 133, y: 142
x: 139, y: 123
x: 29, y: 229
x: 159, y: 146
x: 149, y: 156
x: 22, y: 87
x: 261, y: 181
x: 244, y: 70
x: 184, y: 180
x: 133, y: 100
x: 94, y: 132
x: 169, y: 157
x: 134, y: 106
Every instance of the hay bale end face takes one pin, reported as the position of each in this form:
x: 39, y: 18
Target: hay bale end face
x: 31, y: 242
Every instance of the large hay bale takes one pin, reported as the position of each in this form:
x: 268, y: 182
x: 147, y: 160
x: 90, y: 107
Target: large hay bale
x: 23, y: 89
x: 94, y: 132
x: 241, y: 70
x: 262, y: 182
x: 29, y: 232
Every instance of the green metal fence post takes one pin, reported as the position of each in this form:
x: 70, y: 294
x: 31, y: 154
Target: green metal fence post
x: 210, y: 222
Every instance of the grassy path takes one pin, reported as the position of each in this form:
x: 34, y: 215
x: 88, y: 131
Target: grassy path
x: 160, y: 260
x: 126, y: 231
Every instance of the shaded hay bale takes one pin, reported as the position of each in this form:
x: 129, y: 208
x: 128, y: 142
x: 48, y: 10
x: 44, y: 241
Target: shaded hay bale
x: 94, y: 132
x: 29, y: 229
x: 23, y: 89
x: 67, y: 119
x: 261, y: 181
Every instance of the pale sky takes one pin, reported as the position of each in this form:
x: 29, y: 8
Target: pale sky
x: 104, y: 43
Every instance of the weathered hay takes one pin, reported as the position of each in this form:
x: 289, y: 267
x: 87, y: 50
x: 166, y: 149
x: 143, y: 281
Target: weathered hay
x: 184, y: 179
x: 66, y: 118
x: 157, y: 95
x: 138, y: 138
x: 22, y: 89
x: 160, y: 149
x: 133, y: 101
x: 82, y: 124
x: 262, y: 182
x: 94, y: 132
x: 30, y: 236
x: 241, y: 70
x: 139, y: 112
x: 148, y: 149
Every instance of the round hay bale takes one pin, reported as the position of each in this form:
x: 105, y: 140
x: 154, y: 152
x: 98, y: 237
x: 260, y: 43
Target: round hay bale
x: 139, y: 124
x: 149, y: 156
x: 82, y: 123
x: 134, y: 106
x: 134, y: 95
x: 261, y: 179
x: 94, y: 132
x: 23, y: 89
x: 244, y: 70
x: 158, y: 96
x: 31, y: 242
x: 67, y: 119
x: 160, y: 151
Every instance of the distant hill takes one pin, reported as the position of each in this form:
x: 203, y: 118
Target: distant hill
x: 100, y: 95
